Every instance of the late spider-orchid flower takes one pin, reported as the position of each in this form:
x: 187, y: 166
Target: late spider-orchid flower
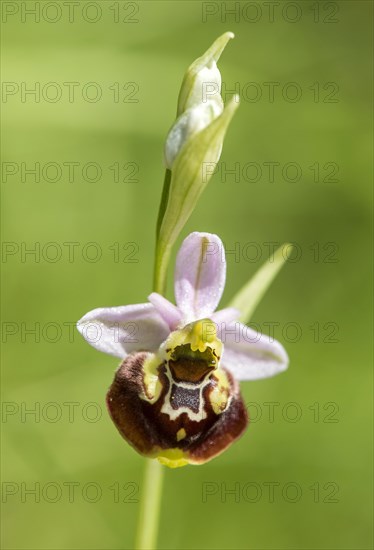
x: 175, y: 395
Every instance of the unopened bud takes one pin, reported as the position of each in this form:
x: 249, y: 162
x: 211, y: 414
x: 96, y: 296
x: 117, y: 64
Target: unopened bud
x: 197, y: 108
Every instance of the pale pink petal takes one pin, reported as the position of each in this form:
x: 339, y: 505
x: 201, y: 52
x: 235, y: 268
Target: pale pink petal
x: 168, y: 311
x: 226, y: 315
x: 124, y: 329
x: 200, y: 275
x: 250, y: 355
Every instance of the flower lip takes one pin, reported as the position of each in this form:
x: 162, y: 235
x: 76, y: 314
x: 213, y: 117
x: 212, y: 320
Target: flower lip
x: 185, y: 425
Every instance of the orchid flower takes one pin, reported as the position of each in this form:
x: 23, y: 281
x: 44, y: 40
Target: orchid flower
x: 175, y: 395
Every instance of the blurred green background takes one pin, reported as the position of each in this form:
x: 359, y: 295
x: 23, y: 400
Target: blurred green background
x: 316, y: 449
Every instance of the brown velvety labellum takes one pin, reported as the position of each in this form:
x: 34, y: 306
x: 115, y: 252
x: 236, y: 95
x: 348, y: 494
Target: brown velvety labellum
x: 181, y: 418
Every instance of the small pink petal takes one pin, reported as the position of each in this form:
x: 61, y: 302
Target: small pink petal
x: 226, y: 315
x: 168, y: 311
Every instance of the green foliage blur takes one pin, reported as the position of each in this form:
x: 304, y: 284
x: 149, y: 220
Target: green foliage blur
x: 295, y: 167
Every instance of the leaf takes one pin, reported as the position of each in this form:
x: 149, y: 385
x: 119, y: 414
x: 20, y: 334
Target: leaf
x: 247, y: 299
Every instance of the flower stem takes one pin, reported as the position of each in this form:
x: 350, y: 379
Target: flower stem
x: 161, y: 265
x: 150, y: 506
x: 164, y: 200
x: 162, y: 254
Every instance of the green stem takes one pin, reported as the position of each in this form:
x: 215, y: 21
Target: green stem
x: 162, y: 257
x: 164, y: 200
x: 162, y: 254
x: 150, y: 506
x: 150, y: 503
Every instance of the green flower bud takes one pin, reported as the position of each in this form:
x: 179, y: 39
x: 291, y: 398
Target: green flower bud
x: 192, y: 121
x: 199, y: 101
x: 195, y: 139
x: 203, y: 70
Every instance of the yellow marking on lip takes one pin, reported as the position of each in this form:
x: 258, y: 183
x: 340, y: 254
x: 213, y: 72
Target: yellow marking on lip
x: 219, y: 397
x: 181, y: 434
x: 151, y: 380
x: 173, y: 458
x: 200, y: 335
